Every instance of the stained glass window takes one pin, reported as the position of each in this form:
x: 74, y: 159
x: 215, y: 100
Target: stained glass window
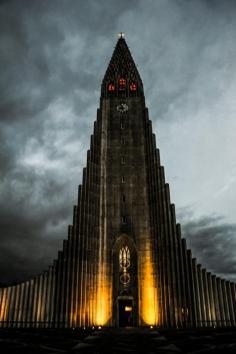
x: 124, y: 260
x: 124, y: 257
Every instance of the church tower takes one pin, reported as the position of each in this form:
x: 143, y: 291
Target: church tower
x: 124, y: 262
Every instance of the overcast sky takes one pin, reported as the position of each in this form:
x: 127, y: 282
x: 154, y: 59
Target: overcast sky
x: 53, y: 55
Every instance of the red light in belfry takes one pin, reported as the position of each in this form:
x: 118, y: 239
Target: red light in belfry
x: 111, y: 87
x: 122, y: 82
x: 133, y: 87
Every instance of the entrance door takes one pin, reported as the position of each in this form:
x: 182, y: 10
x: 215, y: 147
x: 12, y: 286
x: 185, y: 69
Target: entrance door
x: 125, y: 313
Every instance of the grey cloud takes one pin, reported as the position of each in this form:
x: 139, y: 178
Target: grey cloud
x: 213, y: 242
x: 33, y: 223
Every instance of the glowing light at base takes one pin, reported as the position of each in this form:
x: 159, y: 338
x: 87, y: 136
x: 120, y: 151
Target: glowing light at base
x: 103, y: 308
x: 149, y: 309
x: 3, y: 306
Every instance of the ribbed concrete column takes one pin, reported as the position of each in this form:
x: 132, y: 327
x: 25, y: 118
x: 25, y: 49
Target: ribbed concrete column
x: 48, y: 296
x: 176, y: 261
x: 216, y: 298
x: 69, y: 289
x: 2, y: 308
x: 44, y: 299
x: 12, y: 307
x: 225, y: 303
x: 171, y: 257
x: 190, y: 313
x: 76, y: 269
x: 201, y: 295
x: 197, y: 293
x: 183, y: 280
x: 19, y: 319
x: 39, y: 302
x: 165, y: 253
x: 63, y: 281
x: 53, y: 295
x: 162, y: 257
x: 233, y: 294
x: 212, y: 304
x: 176, y: 268
x: 25, y: 304
x: 230, y: 303
x: 1, y: 305
x: 6, y: 310
x: 193, y: 308
x: 66, y: 285
x: 16, y: 305
x: 221, y: 302
x: 35, y: 301
x: 29, y: 317
x: 208, y: 318
x: 58, y: 290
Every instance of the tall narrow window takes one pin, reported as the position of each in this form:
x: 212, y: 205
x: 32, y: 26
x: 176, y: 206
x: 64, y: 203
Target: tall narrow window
x: 121, y: 124
x: 123, y: 179
x: 123, y: 198
x: 123, y: 160
x: 123, y: 141
x: 124, y: 219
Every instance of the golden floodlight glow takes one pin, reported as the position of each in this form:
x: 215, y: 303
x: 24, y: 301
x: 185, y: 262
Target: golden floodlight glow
x: 101, y: 308
x: 3, y: 305
x: 103, y: 304
x: 149, y: 309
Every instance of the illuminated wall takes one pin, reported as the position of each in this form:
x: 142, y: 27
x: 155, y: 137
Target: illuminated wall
x: 148, y: 289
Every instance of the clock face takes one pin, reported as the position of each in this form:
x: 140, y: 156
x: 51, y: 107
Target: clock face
x: 122, y: 108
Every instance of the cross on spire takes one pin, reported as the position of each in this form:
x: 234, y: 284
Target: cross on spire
x: 121, y: 35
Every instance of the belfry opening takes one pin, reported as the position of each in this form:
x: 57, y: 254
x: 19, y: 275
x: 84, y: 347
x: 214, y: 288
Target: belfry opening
x: 124, y: 262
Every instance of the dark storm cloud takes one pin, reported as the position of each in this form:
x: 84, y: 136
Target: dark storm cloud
x: 213, y: 242
x: 49, y: 60
x: 34, y: 217
x: 53, y: 55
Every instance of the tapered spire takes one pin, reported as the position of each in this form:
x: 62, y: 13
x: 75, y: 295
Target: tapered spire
x: 122, y: 77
